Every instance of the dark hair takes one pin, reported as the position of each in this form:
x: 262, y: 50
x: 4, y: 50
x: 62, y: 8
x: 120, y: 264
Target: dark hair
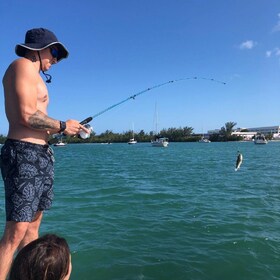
x: 46, y: 258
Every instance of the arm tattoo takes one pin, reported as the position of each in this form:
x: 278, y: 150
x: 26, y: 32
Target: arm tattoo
x: 41, y: 121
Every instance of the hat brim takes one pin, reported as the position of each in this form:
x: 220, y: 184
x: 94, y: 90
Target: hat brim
x: 62, y: 51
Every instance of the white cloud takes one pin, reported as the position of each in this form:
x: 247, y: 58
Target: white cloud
x: 276, y: 28
x: 274, y: 52
x: 247, y: 45
x: 268, y: 53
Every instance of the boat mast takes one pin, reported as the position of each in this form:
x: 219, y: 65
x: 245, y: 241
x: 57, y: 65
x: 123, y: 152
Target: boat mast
x: 156, y: 120
x: 133, y: 131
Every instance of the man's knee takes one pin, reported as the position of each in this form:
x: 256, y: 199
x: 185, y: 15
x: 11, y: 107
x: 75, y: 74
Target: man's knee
x: 33, y: 227
x: 35, y: 224
x: 14, y: 234
x: 38, y: 217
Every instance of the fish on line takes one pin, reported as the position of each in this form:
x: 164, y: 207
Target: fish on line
x: 238, y: 161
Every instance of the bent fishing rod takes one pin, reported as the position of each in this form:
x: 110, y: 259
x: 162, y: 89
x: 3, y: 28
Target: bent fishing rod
x: 89, y: 119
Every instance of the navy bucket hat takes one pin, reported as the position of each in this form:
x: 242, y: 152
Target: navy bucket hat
x: 38, y: 39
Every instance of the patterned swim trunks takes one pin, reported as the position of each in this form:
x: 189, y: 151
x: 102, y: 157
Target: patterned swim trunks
x: 28, y: 173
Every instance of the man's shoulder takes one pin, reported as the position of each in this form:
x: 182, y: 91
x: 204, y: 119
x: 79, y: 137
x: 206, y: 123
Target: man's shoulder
x: 21, y: 62
x: 20, y: 65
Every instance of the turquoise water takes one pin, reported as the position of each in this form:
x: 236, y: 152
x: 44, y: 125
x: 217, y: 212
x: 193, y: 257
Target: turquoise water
x: 182, y: 212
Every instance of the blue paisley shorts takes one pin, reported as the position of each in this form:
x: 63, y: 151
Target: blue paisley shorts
x: 28, y: 173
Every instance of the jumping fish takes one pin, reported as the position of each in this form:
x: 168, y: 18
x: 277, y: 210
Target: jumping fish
x: 238, y: 161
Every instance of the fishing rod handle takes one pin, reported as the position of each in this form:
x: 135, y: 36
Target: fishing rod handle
x: 87, y: 120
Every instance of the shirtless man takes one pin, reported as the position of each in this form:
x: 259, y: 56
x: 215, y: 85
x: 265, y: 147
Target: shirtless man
x: 26, y: 158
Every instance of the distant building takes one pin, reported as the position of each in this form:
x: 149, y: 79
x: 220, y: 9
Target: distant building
x: 266, y: 130
x: 247, y: 136
x: 248, y: 133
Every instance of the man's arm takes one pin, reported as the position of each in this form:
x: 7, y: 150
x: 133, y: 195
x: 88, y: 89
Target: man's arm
x: 41, y: 121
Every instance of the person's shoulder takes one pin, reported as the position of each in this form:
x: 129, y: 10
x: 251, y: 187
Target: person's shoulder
x: 23, y: 66
x: 21, y: 62
x: 20, y: 67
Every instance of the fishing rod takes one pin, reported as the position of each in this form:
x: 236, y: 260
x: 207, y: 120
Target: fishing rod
x: 89, y: 119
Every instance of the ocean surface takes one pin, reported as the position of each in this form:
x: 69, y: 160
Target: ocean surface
x: 136, y: 212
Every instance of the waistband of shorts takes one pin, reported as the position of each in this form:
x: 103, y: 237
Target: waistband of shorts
x: 26, y: 144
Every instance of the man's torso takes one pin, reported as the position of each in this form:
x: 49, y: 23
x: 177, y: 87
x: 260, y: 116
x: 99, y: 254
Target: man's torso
x: 14, y: 89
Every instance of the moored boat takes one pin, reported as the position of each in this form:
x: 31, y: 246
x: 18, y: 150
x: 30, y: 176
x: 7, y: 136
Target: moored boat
x: 204, y: 140
x: 160, y: 142
x: 60, y: 144
x: 132, y: 141
x: 260, y: 139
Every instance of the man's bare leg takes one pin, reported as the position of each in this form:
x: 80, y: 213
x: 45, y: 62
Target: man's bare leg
x: 32, y: 232
x: 13, y: 235
x: 16, y: 236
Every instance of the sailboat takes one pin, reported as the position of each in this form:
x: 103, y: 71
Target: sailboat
x: 60, y: 143
x: 159, y: 141
x: 203, y: 139
x: 132, y: 140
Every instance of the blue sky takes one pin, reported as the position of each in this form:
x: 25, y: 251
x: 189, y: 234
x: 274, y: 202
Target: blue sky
x: 121, y: 47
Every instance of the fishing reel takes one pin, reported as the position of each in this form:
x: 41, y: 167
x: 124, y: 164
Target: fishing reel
x: 85, y: 135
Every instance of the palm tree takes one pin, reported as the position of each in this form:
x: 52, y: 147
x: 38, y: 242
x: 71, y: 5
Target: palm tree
x: 227, y: 130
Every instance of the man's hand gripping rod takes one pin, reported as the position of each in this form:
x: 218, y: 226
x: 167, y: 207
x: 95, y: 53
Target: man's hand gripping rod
x: 58, y: 135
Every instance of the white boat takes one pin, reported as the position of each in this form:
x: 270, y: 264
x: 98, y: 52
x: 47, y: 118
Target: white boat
x: 260, y: 139
x: 60, y: 144
x: 132, y: 140
x: 160, y: 142
x: 204, y: 140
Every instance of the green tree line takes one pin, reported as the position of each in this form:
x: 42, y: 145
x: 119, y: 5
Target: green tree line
x: 181, y: 134
x: 173, y: 134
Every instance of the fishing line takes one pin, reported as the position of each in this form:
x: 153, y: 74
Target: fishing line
x: 89, y: 119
